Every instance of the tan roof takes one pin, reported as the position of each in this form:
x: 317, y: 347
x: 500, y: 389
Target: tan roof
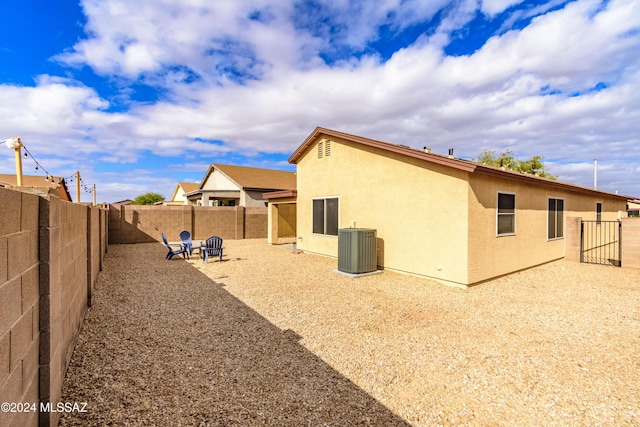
x: 449, y: 161
x: 39, y: 181
x: 256, y: 178
x: 189, y: 186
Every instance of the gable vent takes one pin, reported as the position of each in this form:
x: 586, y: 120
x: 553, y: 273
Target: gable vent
x: 320, y: 150
x: 327, y: 151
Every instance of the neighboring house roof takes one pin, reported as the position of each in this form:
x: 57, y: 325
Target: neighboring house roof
x: 254, y: 178
x: 123, y: 202
x: 450, y: 161
x: 187, y: 187
x: 56, y: 183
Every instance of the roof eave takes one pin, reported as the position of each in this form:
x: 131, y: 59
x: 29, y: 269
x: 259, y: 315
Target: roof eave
x: 487, y: 170
x: 407, y: 151
x: 283, y: 194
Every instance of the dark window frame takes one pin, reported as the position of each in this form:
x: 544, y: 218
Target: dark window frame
x: 555, y: 218
x: 325, y: 213
x: 505, y: 214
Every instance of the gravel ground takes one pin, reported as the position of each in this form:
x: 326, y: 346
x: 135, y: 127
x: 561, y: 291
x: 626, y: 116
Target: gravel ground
x: 271, y: 337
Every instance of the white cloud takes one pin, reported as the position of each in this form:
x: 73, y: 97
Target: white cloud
x: 493, y: 7
x: 53, y: 107
x: 513, y: 93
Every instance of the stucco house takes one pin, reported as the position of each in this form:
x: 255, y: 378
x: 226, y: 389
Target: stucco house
x: 56, y: 185
x: 227, y: 185
x: 436, y: 216
x: 178, y: 198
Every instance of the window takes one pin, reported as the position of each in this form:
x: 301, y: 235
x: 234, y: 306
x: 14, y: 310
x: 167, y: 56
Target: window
x: 598, y: 213
x: 325, y: 216
x: 555, y: 224
x: 506, y: 221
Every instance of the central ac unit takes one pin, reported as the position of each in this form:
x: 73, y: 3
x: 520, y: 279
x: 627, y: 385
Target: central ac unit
x: 357, y: 250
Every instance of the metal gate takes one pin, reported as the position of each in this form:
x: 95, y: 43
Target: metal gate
x: 601, y: 242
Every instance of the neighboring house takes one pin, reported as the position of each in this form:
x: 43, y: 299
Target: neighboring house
x: 54, y: 184
x: 633, y: 207
x: 436, y: 216
x: 225, y: 185
x: 179, y: 197
x: 123, y: 202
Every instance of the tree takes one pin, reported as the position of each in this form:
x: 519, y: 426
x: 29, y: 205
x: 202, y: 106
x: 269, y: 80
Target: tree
x: 532, y: 166
x: 148, y: 199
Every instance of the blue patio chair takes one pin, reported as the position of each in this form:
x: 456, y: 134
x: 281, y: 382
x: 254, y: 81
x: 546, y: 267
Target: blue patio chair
x: 212, y: 247
x: 185, y: 237
x: 181, y: 248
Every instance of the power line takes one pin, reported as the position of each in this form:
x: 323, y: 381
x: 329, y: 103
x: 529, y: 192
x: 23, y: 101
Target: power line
x: 49, y: 177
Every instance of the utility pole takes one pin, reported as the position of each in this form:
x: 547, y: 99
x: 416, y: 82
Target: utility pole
x: 16, y: 144
x: 78, y: 187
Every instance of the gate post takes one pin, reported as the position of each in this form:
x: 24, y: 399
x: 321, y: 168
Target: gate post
x: 630, y: 256
x: 573, y: 239
x: 619, y: 243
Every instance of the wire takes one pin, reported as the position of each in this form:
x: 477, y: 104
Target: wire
x: 27, y: 153
x: 50, y: 177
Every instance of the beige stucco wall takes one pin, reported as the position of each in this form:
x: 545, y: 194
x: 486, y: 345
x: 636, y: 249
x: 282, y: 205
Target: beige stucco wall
x: 286, y: 220
x: 252, y: 199
x: 217, y: 181
x: 491, y: 255
x: 281, y: 221
x: 418, y: 209
x: 433, y: 220
x: 180, y: 197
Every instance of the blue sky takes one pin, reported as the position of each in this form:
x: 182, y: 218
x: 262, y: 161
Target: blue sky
x: 138, y: 95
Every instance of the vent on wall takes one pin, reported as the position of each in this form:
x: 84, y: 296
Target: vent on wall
x: 327, y: 150
x: 320, y: 150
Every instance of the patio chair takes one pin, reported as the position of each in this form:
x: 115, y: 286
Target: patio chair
x: 212, y: 247
x: 185, y: 237
x: 181, y: 249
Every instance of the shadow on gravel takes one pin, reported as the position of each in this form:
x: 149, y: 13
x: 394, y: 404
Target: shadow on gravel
x: 165, y: 345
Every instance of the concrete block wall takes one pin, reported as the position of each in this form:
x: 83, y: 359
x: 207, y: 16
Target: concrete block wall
x: 51, y: 372
x: 48, y: 253
x: 217, y: 221
x: 94, y: 249
x: 19, y: 304
x: 256, y: 223
x: 142, y: 224
x: 630, y: 236
x: 74, y: 278
x: 630, y: 242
